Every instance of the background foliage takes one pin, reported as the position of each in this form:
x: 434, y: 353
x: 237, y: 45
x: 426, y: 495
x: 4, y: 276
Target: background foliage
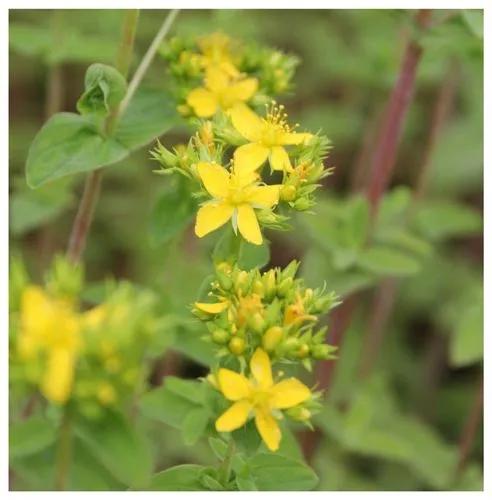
x: 399, y: 428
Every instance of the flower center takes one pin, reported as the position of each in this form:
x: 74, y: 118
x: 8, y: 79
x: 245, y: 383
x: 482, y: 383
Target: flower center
x: 274, y: 126
x: 236, y: 197
x: 260, y: 399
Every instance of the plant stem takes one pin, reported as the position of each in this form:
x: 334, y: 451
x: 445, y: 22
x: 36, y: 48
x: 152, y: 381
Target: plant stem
x: 63, y: 452
x: 384, y: 157
x: 147, y: 59
x: 470, y: 428
x: 92, y: 187
x: 227, y: 463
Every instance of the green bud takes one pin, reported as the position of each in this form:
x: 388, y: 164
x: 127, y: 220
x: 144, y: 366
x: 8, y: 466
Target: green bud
x: 302, y: 204
x: 303, y: 351
x: 323, y: 351
x: 291, y: 344
x: 270, y: 283
x: 285, y: 286
x: 257, y: 323
x: 299, y: 413
x: 224, y: 280
x: 272, y: 337
x: 258, y: 287
x: 288, y: 193
x: 220, y: 336
x: 237, y: 346
x: 241, y: 280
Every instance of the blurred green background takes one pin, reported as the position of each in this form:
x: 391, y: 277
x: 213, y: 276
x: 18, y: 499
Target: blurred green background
x: 418, y: 399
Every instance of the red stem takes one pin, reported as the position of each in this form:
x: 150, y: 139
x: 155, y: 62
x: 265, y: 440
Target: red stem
x: 384, y: 157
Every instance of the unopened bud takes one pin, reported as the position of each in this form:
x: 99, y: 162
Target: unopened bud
x: 299, y: 413
x: 303, y: 351
x: 285, y: 286
x: 270, y: 282
x: 288, y: 193
x: 257, y: 322
x: 272, y: 337
x: 237, y: 345
x: 220, y: 336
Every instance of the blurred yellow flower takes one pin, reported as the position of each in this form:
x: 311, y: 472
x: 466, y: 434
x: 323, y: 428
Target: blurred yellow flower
x: 267, y: 138
x: 50, y: 327
x: 235, y: 197
x: 216, y: 52
x: 220, y: 91
x: 260, y: 396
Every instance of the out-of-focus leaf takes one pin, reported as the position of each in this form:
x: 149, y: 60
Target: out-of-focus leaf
x: 466, y: 345
x: 192, y: 390
x: 30, y: 209
x: 119, y: 446
x: 387, y: 261
x: 474, y: 20
x: 188, y: 341
x: 273, y: 472
x: 440, y: 220
x: 194, y: 425
x: 166, y: 406
x: 27, y: 437
x: 184, y: 477
x: 172, y: 213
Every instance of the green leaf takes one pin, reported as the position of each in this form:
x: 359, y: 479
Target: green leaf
x: 252, y: 256
x: 119, y: 446
x: 188, y: 341
x: 474, y: 20
x: 387, y: 261
x: 30, y: 436
x: 218, y: 446
x: 150, y: 113
x: 466, y: 345
x: 444, y: 220
x: 192, y: 390
x: 272, y: 472
x: 194, y: 425
x: 67, y: 144
x: 180, y: 478
x: 105, y: 87
x: 245, y: 484
x: 172, y: 214
x: 164, y: 405
x: 30, y: 209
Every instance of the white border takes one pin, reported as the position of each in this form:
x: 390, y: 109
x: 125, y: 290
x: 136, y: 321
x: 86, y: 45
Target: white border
x: 251, y: 4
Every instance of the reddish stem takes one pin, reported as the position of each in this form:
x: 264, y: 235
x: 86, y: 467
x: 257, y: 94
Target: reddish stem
x: 384, y: 157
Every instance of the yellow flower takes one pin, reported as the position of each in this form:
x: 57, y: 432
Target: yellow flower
x: 235, y: 197
x: 50, y: 327
x: 296, y: 313
x: 259, y: 396
x: 220, y: 91
x: 216, y: 51
x: 267, y: 138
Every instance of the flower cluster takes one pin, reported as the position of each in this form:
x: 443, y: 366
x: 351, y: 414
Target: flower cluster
x: 90, y: 358
x: 215, y: 72
x: 248, y: 166
x: 272, y: 310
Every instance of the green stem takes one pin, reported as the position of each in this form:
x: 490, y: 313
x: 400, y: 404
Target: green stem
x: 63, y: 452
x: 85, y: 212
x: 225, y: 468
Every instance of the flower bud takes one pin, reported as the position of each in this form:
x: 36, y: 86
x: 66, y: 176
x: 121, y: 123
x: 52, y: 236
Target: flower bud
x: 257, y: 322
x: 303, y: 351
x: 291, y: 344
x: 288, y: 193
x: 220, y: 336
x: 270, y: 282
x: 285, y: 286
x: 323, y: 351
x: 237, y: 345
x: 299, y: 413
x: 224, y: 280
x: 258, y: 287
x: 302, y: 204
x: 272, y: 337
x: 241, y: 280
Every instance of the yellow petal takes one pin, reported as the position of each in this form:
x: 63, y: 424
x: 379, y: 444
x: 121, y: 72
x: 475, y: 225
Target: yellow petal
x: 288, y: 393
x: 216, y: 79
x: 216, y: 308
x: 211, y: 216
x: 233, y: 385
x: 203, y: 102
x: 246, y: 122
x: 294, y: 138
x: 244, y: 89
x: 215, y: 179
x: 264, y: 196
x: 234, y: 417
x: 58, y: 378
x: 249, y: 157
x: 247, y: 224
x: 95, y: 317
x: 261, y: 368
x: 269, y: 430
x: 279, y: 159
